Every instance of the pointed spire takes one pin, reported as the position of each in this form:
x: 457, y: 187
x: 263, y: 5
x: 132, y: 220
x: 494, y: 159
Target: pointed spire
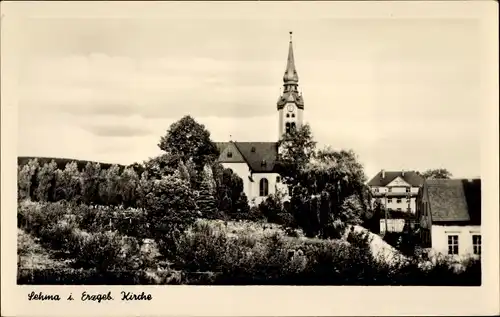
x: 290, y: 76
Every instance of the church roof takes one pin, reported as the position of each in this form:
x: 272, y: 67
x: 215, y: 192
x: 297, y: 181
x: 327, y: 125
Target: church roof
x: 261, y: 157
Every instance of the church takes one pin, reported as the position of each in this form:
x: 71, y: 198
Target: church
x: 255, y: 162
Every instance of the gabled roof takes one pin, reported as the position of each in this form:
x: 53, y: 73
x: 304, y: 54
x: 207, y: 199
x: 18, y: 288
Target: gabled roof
x: 452, y: 200
x: 411, y: 177
x: 261, y: 157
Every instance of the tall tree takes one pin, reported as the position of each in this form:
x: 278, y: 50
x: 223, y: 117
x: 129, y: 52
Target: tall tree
x: 46, y: 177
x: 295, y: 150
x: 170, y: 209
x: 109, y: 186
x: 68, y: 183
x: 438, y: 173
x: 127, y: 187
x: 26, y: 175
x: 205, y: 201
x: 332, y: 188
x: 89, y: 183
x: 190, y: 140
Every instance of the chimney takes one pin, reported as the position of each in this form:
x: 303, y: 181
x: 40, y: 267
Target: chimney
x: 383, y: 173
x: 403, y: 173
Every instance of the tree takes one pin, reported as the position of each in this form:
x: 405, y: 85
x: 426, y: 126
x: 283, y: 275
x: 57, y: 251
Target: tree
x: 109, y: 186
x: 46, y: 182
x: 68, y: 183
x: 189, y: 140
x: 205, y: 201
x: 295, y: 151
x: 439, y: 173
x: 331, y: 189
x: 127, y: 187
x: 161, y: 165
x: 25, y: 177
x: 89, y: 183
x: 229, y: 188
x: 170, y: 208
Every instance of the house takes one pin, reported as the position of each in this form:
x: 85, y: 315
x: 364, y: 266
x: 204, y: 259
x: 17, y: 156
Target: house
x: 397, y: 191
x: 256, y: 162
x: 449, y: 212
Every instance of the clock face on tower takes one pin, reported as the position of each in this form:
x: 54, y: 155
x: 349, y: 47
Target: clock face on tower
x: 290, y: 108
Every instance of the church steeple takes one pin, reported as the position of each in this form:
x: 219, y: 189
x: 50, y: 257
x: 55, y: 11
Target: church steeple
x: 290, y: 77
x: 290, y: 103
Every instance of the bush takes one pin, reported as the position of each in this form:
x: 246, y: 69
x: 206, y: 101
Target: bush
x: 107, y: 251
x: 35, y: 217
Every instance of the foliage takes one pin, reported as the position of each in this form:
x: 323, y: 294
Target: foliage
x: 108, y: 187
x: 89, y: 182
x: 67, y: 185
x: 189, y: 140
x: 296, y: 149
x: 127, y: 187
x: 438, y: 173
x: 205, y: 200
x: 25, y: 178
x: 170, y: 209
x: 331, y: 193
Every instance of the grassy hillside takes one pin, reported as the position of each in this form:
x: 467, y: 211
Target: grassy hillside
x: 61, y: 162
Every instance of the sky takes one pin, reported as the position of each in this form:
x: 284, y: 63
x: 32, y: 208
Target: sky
x: 402, y: 93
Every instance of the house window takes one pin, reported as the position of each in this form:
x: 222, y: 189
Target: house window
x: 407, y: 189
x: 389, y: 200
x: 452, y: 244
x: 399, y: 209
x: 263, y: 187
x: 398, y: 200
x: 278, y: 179
x: 375, y: 190
x: 229, y: 154
x: 476, y: 243
x: 389, y: 189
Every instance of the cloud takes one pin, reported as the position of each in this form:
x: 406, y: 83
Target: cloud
x: 117, y: 131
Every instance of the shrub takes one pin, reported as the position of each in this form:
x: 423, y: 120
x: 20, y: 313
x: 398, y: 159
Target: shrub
x: 36, y: 216
x: 107, y: 251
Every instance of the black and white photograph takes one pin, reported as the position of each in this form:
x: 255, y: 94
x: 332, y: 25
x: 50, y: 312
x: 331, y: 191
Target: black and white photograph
x: 272, y: 149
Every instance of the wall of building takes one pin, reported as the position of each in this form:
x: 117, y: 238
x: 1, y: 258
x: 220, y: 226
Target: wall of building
x: 251, y: 189
x: 274, y: 185
x: 392, y: 202
x: 439, y: 238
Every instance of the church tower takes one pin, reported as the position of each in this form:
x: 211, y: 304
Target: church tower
x: 290, y: 103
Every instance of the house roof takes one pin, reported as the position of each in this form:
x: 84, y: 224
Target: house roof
x: 454, y: 200
x: 261, y: 157
x: 411, y: 177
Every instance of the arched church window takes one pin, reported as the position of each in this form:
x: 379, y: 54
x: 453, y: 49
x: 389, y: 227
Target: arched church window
x: 293, y: 115
x: 288, y: 115
x: 292, y: 127
x: 263, y: 187
x: 278, y: 179
x: 287, y: 127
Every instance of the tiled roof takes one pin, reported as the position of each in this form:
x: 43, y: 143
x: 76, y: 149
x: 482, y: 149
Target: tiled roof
x: 454, y: 200
x: 260, y: 156
x: 411, y: 177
